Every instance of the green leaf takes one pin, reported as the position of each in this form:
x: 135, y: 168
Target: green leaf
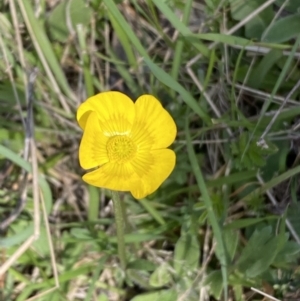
x: 212, y: 218
x: 17, y: 238
x: 246, y: 222
x: 182, y: 29
x: 260, y: 72
x: 41, y: 245
x: 241, y: 9
x: 73, y: 11
x: 291, y: 6
x: 141, y: 264
x: 267, y: 255
x: 167, y: 80
x: 259, y: 252
x: 253, y: 156
x: 258, y: 238
x: 10, y: 155
x: 139, y: 277
x: 222, y: 38
x: 186, y: 254
x: 150, y: 208
x: 283, y: 29
x: 231, y: 239
x: 7, y: 96
x: 161, y: 276
x: 254, y: 27
x: 293, y: 216
x: 44, y: 46
x: 162, y: 295
x: 289, y: 253
x: 215, y: 282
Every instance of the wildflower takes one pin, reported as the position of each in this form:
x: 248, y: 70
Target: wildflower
x: 124, y: 144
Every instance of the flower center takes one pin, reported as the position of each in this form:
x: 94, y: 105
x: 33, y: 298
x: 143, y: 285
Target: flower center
x: 120, y: 148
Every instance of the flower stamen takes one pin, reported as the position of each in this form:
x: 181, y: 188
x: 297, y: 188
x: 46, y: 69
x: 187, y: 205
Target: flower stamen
x: 120, y: 149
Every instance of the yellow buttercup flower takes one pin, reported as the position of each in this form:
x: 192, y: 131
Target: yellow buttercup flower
x: 124, y: 144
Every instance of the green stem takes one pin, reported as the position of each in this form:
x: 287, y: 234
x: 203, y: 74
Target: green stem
x: 120, y: 223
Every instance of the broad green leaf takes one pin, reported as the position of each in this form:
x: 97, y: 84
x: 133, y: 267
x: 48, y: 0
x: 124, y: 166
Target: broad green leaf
x: 41, y: 245
x: 291, y: 5
x: 215, y: 282
x: 161, y: 276
x: 186, y: 253
x: 162, y: 295
x: 254, y: 27
x: 73, y: 11
x: 17, y: 238
x: 260, y: 72
x: 139, y: 277
x: 257, y: 239
x: 259, y: 252
x: 253, y: 156
x: 267, y: 254
x: 289, y: 253
x: 293, y: 214
x: 241, y: 9
x: 141, y: 264
x: 64, y: 277
x: 81, y: 233
x: 283, y: 30
x: 231, y: 239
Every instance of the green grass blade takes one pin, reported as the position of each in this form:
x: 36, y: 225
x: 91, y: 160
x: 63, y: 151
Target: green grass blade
x: 114, y: 11
x: 119, y: 30
x: 46, y: 48
x: 183, y: 30
x: 167, y: 79
x: 209, y: 207
x: 85, y: 61
x: 152, y: 211
x: 157, y: 71
x: 180, y: 43
x: 272, y: 183
x: 10, y: 155
x: 280, y: 80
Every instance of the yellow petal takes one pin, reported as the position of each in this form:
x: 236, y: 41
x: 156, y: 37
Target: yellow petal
x: 153, y: 128
x: 152, y: 169
x: 115, y: 112
x: 92, y: 150
x: 112, y: 176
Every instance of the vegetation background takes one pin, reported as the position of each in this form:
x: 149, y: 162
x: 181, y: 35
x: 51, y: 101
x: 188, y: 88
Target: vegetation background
x: 226, y: 220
